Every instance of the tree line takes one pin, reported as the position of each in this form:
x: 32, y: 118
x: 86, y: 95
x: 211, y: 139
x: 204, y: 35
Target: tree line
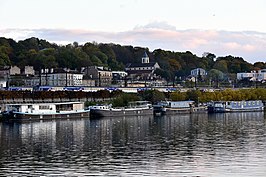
x: 40, y: 53
x: 119, y: 98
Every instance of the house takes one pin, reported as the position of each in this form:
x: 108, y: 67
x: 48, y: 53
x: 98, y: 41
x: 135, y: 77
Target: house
x: 5, y: 72
x: 61, y: 77
x: 119, y: 77
x: 259, y: 75
x: 101, y: 75
x: 28, y: 70
x: 198, y: 73
x: 262, y: 75
x: 88, y: 81
x: 142, y: 71
x: 14, y: 70
x: 3, y: 83
x: 247, y: 76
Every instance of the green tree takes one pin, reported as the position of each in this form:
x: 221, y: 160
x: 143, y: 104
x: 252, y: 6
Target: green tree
x: 124, y: 99
x: 4, y: 58
x: 152, y: 96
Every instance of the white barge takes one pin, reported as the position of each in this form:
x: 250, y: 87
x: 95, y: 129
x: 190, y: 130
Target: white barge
x: 176, y: 107
x: 137, y: 108
x: 39, y: 111
x: 235, y: 106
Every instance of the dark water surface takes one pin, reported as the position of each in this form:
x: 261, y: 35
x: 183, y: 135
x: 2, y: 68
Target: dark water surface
x: 231, y: 144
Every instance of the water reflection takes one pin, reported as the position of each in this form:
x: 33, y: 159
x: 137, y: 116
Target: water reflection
x: 182, y: 145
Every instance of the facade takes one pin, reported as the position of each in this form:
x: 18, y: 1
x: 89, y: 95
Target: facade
x: 14, y: 70
x: 5, y: 72
x: 28, y: 70
x: 31, y: 81
x: 198, y: 72
x: 3, y: 83
x: 119, y: 74
x: 262, y: 75
x: 102, y: 76
x: 88, y: 82
x: 61, y: 77
x: 12, y: 76
x: 119, y: 77
x: 259, y: 75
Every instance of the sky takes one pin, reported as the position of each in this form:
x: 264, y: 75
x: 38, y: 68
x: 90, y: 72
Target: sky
x: 221, y: 27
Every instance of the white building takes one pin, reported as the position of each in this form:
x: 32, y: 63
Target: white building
x: 61, y: 77
x: 198, y: 72
x: 119, y: 74
x: 28, y: 70
x: 262, y: 75
x: 3, y: 83
x: 259, y: 75
x: 14, y: 70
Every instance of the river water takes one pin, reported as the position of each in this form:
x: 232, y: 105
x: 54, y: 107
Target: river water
x: 232, y: 144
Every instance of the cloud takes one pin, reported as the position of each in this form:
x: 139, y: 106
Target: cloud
x: 247, y: 44
x: 156, y: 25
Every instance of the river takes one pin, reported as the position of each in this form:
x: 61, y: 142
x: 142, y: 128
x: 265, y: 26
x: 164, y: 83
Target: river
x: 231, y: 144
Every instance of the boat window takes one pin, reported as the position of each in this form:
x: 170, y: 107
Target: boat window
x: 253, y: 103
x: 249, y: 103
x: 258, y: 102
x: 245, y: 103
x: 44, y: 107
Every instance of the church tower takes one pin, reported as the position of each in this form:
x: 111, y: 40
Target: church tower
x: 145, y: 58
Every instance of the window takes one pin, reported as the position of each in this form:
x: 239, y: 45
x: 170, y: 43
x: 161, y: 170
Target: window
x: 44, y: 107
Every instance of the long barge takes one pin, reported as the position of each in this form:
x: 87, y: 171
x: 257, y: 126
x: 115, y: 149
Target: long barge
x: 42, y: 111
x: 235, y: 106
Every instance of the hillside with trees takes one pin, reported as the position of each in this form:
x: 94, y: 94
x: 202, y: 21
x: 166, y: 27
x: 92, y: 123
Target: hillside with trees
x: 43, y: 54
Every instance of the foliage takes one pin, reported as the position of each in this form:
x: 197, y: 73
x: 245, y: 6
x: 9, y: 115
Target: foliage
x: 178, y: 96
x: 42, y: 54
x: 152, y: 95
x: 226, y: 95
x: 123, y: 99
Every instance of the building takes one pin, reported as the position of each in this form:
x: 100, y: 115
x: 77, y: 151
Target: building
x: 262, y: 75
x: 198, y: 73
x: 143, y: 71
x: 61, y: 77
x: 14, y: 70
x: 119, y: 77
x: 28, y: 70
x: 259, y: 75
x: 4, y: 73
x: 3, y: 83
x: 247, y: 76
x: 88, y: 81
x: 102, y: 76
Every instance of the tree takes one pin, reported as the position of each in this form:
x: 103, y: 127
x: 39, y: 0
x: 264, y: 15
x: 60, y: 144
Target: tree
x: 4, y: 58
x: 152, y: 95
x: 216, y: 76
x: 221, y: 65
x: 260, y: 65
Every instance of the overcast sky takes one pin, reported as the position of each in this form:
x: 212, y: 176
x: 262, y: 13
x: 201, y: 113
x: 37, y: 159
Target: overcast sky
x: 222, y: 27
